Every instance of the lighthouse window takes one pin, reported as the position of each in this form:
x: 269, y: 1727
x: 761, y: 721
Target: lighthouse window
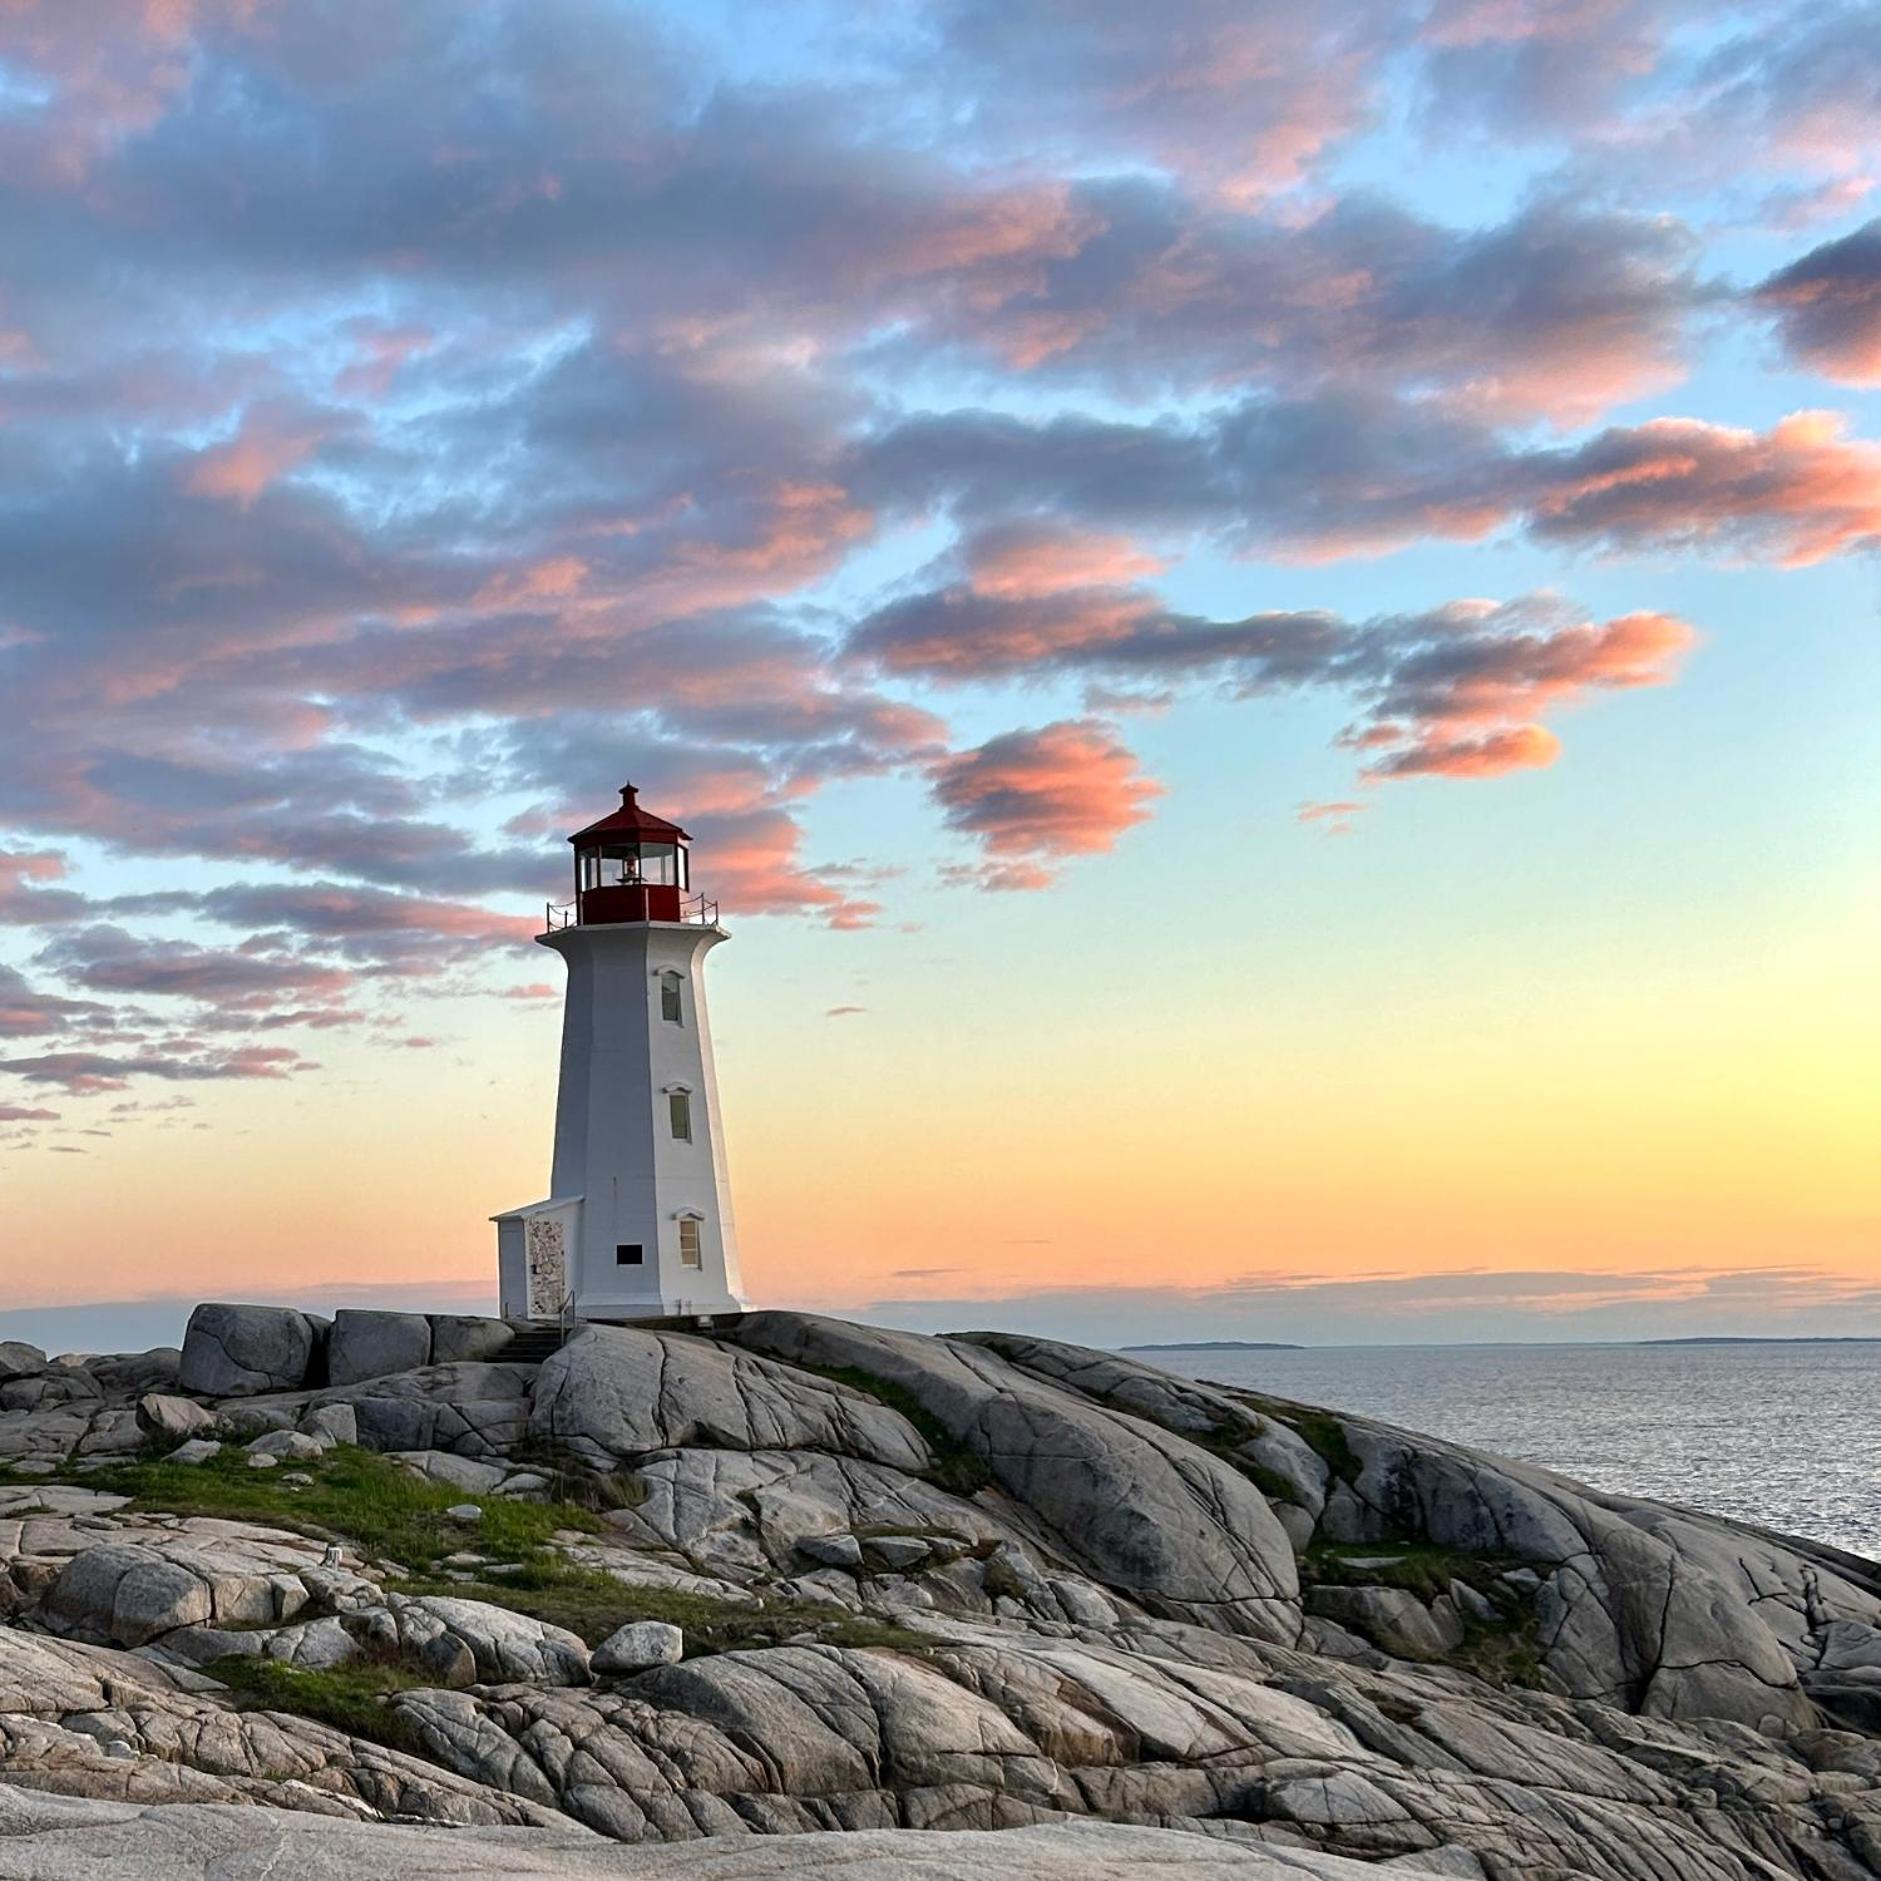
x: 669, y: 999
x: 629, y: 1254
x: 689, y: 1241
x: 679, y: 1108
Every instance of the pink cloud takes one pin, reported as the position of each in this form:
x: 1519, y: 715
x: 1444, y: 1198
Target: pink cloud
x: 378, y: 355
x: 1799, y: 493
x: 1014, y: 560
x: 272, y: 440
x: 1484, y: 754
x: 1827, y: 307
x: 1336, y: 816
x: 1036, y: 798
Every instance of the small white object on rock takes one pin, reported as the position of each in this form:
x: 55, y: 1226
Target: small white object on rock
x: 197, y: 1450
x: 464, y: 1512
x: 638, y: 1647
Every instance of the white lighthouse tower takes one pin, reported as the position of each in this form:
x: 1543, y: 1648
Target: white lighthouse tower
x: 638, y: 1224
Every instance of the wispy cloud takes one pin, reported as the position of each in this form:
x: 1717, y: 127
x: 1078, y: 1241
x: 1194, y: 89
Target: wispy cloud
x: 1436, y: 1308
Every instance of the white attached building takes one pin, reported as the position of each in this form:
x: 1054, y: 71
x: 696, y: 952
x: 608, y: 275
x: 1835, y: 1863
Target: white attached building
x: 638, y: 1224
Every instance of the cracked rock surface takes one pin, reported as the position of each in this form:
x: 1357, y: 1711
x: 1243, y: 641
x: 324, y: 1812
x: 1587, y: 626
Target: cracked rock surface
x: 1135, y: 1624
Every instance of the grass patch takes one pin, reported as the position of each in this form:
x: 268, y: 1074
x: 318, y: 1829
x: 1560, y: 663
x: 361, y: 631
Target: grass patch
x: 1504, y: 1654
x: 1417, y: 1566
x: 1505, y: 1650
x: 1327, y: 1437
x: 351, y: 1698
x: 577, y: 1484
x: 1269, y: 1482
x: 385, y: 1510
x: 959, y: 1470
x: 390, y: 1513
x: 591, y: 1603
x: 1321, y: 1429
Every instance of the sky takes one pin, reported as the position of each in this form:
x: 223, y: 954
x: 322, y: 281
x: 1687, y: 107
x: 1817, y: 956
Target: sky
x: 1263, y: 617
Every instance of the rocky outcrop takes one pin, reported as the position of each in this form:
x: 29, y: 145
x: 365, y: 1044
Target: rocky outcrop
x: 977, y: 1583
x: 613, y: 1393
x: 66, y: 1839
x: 1156, y: 1516
x: 230, y: 1351
x: 19, y: 1360
x: 374, y: 1344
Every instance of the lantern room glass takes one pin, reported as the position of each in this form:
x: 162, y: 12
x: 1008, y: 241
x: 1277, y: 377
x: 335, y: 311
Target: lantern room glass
x: 618, y: 865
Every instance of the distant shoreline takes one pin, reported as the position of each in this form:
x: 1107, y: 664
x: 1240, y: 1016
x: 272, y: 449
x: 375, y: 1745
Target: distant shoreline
x: 1217, y: 1345
x: 1751, y: 1338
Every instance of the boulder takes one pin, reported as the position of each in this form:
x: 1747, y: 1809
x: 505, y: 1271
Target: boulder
x: 20, y: 1360
x: 369, y: 1344
x: 504, y: 1647
x: 57, y: 1384
x: 1392, y: 1618
x: 614, y: 1393
x: 898, y: 1553
x: 458, y: 1337
x: 836, y: 1551
x: 468, y: 1407
x: 331, y: 1423
x: 196, y: 1450
x: 286, y: 1443
x: 459, y: 1472
x: 166, y: 1416
x: 637, y: 1647
x: 237, y: 1351
x: 128, y: 1373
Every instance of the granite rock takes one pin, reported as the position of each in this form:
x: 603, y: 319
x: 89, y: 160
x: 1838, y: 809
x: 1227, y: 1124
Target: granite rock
x: 232, y: 1351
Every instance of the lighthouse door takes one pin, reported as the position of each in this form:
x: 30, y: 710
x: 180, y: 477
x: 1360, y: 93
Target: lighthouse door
x: 546, y: 1245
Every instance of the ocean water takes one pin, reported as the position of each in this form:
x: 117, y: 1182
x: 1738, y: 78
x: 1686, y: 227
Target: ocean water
x: 1787, y: 1436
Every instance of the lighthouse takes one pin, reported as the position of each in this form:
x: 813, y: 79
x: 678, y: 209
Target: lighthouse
x: 638, y: 1223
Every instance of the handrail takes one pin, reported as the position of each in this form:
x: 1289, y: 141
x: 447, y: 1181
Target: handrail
x: 694, y: 910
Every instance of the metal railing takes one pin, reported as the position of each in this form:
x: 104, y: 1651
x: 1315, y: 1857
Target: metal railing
x: 694, y: 910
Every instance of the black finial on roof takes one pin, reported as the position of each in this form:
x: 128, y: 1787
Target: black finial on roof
x: 627, y: 795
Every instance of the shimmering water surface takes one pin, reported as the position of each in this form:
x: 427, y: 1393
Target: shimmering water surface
x: 1788, y: 1436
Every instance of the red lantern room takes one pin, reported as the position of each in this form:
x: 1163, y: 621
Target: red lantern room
x: 631, y: 866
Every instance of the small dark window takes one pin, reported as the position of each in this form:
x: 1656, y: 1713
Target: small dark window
x: 679, y: 1109
x: 629, y: 1254
x: 669, y: 999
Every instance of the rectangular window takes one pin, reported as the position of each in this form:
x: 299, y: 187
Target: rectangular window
x: 669, y: 999
x: 688, y: 1241
x: 679, y: 1108
x: 629, y: 1254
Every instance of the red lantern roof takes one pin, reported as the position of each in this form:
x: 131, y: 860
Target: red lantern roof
x: 633, y: 824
